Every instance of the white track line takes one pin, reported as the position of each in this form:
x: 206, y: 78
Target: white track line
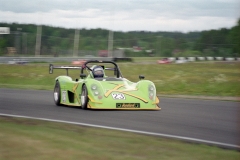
x: 130, y: 130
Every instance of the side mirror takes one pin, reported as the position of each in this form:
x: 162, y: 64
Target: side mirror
x: 141, y: 77
x: 83, y: 76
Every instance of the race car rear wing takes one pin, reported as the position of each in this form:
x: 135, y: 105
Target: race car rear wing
x: 85, y: 66
x: 51, y: 67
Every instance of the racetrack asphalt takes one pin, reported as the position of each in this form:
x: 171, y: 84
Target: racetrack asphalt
x: 210, y: 120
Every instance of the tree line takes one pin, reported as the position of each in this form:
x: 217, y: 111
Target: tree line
x: 57, y: 40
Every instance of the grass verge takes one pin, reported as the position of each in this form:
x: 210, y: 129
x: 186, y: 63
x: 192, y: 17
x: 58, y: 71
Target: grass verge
x: 210, y: 79
x: 33, y: 139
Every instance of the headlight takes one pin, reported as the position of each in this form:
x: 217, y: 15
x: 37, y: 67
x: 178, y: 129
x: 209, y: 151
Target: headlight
x: 151, y: 92
x: 94, y: 87
x: 151, y: 88
x: 96, y: 91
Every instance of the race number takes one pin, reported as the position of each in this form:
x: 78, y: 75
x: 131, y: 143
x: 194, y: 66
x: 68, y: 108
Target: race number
x: 118, y: 96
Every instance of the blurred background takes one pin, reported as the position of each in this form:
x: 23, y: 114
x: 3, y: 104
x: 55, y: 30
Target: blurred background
x: 33, y: 40
x: 120, y: 29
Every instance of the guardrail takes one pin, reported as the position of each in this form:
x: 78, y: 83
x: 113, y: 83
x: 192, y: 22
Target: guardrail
x: 205, y: 58
x: 48, y: 59
x: 12, y: 60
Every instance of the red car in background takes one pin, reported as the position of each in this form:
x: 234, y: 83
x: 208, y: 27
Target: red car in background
x: 164, y: 61
x: 79, y: 62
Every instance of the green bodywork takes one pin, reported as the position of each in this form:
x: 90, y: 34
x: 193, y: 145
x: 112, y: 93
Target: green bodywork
x: 109, y: 93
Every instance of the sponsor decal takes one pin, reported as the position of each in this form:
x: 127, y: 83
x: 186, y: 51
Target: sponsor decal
x: 64, y: 93
x: 118, y: 96
x: 127, y: 105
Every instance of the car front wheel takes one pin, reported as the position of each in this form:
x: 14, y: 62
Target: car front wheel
x: 84, y: 97
x: 57, y: 94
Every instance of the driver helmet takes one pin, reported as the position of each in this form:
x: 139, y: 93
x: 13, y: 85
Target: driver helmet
x: 98, y: 72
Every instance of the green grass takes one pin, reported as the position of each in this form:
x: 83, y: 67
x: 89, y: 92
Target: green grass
x: 210, y: 79
x: 32, y: 139
x: 22, y: 139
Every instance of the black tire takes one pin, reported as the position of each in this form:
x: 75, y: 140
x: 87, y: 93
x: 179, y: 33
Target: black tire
x: 57, y: 94
x: 84, y: 97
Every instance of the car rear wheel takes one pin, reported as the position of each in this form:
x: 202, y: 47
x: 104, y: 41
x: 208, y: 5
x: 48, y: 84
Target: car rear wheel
x: 84, y: 97
x: 57, y: 94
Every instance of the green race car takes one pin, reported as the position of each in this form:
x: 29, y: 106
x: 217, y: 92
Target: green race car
x: 98, y: 90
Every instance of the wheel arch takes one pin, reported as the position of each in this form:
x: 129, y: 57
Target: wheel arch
x: 65, y: 78
x: 145, y: 83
